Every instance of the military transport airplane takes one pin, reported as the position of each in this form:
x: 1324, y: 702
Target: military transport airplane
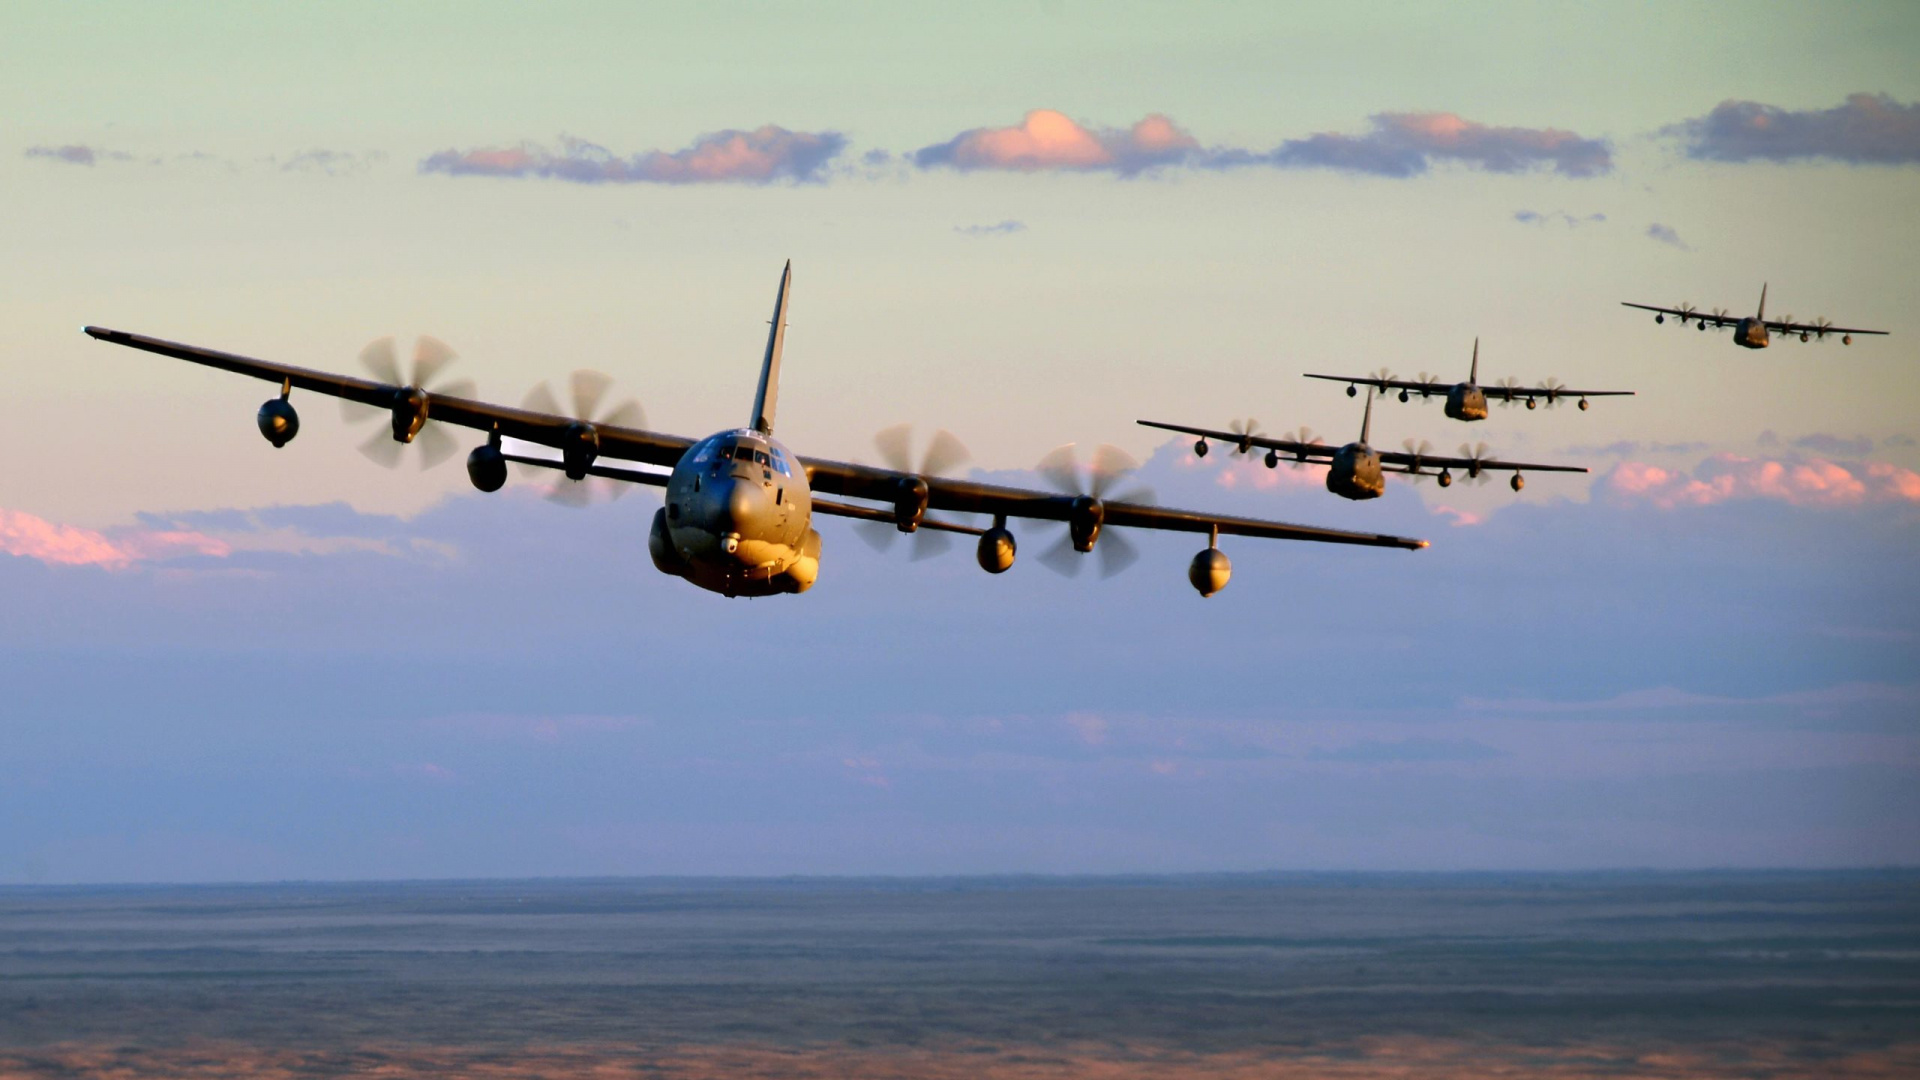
x: 739, y: 504
x: 1751, y: 331
x: 1468, y: 400
x: 1356, y: 470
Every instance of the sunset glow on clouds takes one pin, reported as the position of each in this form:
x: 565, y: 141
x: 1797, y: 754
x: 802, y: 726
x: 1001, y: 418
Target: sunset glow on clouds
x: 1048, y: 140
x: 1723, y: 477
x: 67, y: 545
x: 760, y: 156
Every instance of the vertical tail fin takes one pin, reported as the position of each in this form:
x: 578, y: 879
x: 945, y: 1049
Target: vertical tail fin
x: 765, y: 397
x: 1473, y: 374
x: 1762, y: 316
x: 1366, y: 419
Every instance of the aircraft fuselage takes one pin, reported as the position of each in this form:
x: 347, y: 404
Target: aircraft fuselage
x: 1354, y: 473
x: 738, y: 518
x: 1750, y: 333
x: 1466, y: 402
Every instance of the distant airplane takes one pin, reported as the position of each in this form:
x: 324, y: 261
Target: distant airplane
x: 1468, y: 400
x: 1356, y: 470
x: 1751, y: 331
x: 739, y: 505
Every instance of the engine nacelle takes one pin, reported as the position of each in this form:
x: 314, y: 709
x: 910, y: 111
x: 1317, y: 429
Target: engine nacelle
x: 1084, y: 521
x: 666, y: 559
x: 909, y: 503
x: 409, y: 413
x: 278, y: 421
x: 579, y: 446
x: 1210, y: 571
x: 487, y: 467
x: 996, y: 550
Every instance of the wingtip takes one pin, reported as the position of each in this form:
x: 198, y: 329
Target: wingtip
x: 96, y: 331
x: 1421, y: 544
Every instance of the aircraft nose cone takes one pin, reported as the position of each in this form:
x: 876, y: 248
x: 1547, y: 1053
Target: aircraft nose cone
x: 742, y: 503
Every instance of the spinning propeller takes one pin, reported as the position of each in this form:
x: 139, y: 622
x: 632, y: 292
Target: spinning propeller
x: 1305, y: 437
x: 1553, y: 390
x: 430, y: 357
x: 1415, y: 471
x: 943, y: 454
x: 1108, y: 467
x: 588, y: 388
x: 1478, y: 456
x: 1244, y: 431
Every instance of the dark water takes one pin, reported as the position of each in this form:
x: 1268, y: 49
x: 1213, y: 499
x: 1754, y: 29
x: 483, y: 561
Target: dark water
x: 1821, y: 960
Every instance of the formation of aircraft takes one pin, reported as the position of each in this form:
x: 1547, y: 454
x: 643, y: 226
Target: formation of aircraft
x: 739, y: 505
x: 1356, y: 470
x: 1754, y: 331
x: 1468, y: 400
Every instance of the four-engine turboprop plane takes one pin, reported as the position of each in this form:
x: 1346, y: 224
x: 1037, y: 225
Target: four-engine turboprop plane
x: 1468, y: 400
x: 1751, y: 331
x: 738, y: 518
x: 1356, y: 470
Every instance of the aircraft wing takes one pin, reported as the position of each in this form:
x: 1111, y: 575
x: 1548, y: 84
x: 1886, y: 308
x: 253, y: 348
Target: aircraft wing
x: 971, y: 497
x: 1299, y: 451
x: 1816, y: 329
x: 1383, y: 385
x: 1706, y: 317
x: 626, y: 444
x: 1428, y: 462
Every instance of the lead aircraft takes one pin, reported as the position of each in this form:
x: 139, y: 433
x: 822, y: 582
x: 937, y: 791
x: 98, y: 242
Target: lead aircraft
x: 1751, y: 331
x: 738, y: 513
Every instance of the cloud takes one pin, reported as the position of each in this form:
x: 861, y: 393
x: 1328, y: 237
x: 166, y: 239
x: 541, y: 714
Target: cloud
x: 1629, y: 447
x: 33, y: 537
x: 1001, y: 229
x: 1534, y: 217
x: 1822, y: 443
x: 1050, y: 140
x: 77, y: 154
x: 1374, y: 751
x: 1400, y: 145
x: 764, y: 155
x: 1726, y: 477
x: 1407, y: 144
x: 1666, y: 235
x: 1458, y: 518
x: 1867, y: 129
x: 331, y: 162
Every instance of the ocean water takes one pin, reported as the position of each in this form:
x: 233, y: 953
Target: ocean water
x: 1813, y: 974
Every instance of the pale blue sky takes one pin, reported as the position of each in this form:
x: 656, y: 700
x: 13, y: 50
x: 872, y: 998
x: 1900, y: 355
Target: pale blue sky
x: 1184, y: 293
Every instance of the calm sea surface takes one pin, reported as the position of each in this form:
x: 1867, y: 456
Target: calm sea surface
x: 1817, y: 962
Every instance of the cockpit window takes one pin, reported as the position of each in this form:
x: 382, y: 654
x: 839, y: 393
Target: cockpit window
x: 743, y: 453
x: 760, y: 457
x: 703, y: 453
x: 780, y: 464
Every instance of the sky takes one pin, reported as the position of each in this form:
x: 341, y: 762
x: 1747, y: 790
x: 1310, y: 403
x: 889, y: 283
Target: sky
x: 1031, y: 225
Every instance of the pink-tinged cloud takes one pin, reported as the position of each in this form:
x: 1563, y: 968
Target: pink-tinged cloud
x: 1866, y: 129
x: 1048, y: 140
x: 1407, y: 144
x: 68, y: 545
x: 1458, y: 518
x: 761, y: 156
x: 1726, y: 477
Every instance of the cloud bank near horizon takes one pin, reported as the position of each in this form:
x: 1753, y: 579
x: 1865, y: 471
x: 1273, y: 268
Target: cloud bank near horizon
x: 1865, y: 129
x: 765, y: 155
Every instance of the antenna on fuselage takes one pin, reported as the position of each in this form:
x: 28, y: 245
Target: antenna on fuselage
x: 1473, y: 373
x: 1762, y: 315
x: 765, y: 397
